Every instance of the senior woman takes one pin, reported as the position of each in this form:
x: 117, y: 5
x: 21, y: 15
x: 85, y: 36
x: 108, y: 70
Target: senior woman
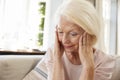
x: 75, y: 56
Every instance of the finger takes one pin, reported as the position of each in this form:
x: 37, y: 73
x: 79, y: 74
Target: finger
x: 56, y: 40
x: 84, y: 39
x: 80, y: 41
x: 87, y: 43
x: 81, y: 46
x: 88, y: 40
x: 56, y: 27
x: 56, y: 34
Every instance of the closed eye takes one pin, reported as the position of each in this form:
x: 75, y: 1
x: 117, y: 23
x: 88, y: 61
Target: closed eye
x: 60, y: 32
x: 73, y: 34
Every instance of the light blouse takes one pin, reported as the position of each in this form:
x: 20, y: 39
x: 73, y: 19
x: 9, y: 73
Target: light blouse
x: 104, y: 66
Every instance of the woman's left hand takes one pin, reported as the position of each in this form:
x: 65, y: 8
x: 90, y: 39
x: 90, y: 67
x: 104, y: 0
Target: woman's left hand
x: 86, y: 50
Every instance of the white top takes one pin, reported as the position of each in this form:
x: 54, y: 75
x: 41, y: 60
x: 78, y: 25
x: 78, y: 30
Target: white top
x: 72, y: 72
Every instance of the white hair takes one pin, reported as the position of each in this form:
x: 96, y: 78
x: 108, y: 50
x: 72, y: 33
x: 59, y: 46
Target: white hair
x: 82, y: 13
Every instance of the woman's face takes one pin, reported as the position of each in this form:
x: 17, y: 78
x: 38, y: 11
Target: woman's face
x: 69, y: 34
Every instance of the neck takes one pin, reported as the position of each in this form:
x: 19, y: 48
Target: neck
x: 73, y: 58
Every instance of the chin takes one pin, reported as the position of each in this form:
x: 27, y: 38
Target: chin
x: 69, y: 50
x: 72, y: 49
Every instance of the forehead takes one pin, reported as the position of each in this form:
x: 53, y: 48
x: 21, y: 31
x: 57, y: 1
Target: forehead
x: 66, y: 24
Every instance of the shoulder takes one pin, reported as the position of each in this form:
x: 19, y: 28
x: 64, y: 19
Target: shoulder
x: 43, y: 69
x: 116, y: 71
x: 104, y: 65
x: 47, y: 58
x: 103, y: 59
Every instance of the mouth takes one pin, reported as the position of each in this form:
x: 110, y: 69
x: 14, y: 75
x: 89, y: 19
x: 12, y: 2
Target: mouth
x: 67, y: 47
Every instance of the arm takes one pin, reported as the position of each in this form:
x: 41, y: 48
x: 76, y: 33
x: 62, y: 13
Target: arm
x: 86, y: 57
x: 58, y: 70
x: 87, y: 73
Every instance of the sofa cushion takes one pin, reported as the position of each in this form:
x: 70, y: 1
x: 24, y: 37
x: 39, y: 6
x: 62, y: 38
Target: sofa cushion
x: 14, y: 67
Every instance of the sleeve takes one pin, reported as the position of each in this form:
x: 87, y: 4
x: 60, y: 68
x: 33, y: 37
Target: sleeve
x: 49, y: 63
x: 116, y: 72
x: 43, y: 69
x: 104, y: 70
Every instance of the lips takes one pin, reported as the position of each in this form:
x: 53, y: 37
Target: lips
x: 68, y: 46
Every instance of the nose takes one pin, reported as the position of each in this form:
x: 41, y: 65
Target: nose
x: 65, y: 39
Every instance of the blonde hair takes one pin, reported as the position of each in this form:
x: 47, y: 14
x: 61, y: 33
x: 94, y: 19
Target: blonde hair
x: 82, y: 13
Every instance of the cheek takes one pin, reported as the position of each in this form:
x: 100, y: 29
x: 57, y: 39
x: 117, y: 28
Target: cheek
x: 75, y: 40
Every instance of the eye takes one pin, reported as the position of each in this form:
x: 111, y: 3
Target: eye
x: 73, y: 33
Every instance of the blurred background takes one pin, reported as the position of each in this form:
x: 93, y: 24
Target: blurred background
x: 27, y: 25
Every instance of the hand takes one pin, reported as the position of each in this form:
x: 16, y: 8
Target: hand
x: 86, y: 50
x: 58, y: 48
x: 58, y: 69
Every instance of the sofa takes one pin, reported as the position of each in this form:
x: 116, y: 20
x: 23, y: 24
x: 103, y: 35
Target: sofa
x: 16, y: 67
